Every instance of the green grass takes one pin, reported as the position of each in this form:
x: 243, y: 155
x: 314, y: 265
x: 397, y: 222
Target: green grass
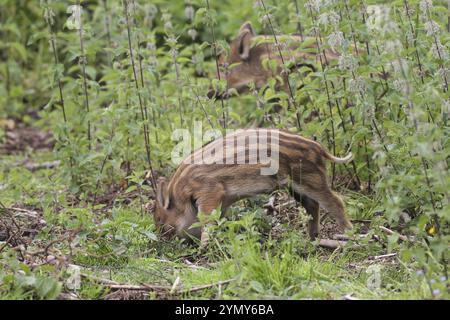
x: 119, y: 243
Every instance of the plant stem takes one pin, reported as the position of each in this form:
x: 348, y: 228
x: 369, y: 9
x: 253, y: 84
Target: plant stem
x: 83, y: 68
x: 141, y: 104
x: 277, y: 44
x: 224, y: 116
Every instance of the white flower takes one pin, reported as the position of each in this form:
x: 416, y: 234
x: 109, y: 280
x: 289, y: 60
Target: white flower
x: 432, y: 28
x: 444, y: 72
x: 426, y: 5
x: 313, y: 5
x: 336, y: 39
x: 172, y: 41
x: 168, y: 26
x: 439, y: 51
x: 323, y: 19
x: 192, y: 33
x: 400, y: 85
x: 397, y: 66
x: 409, y: 36
x: 334, y: 18
x: 49, y: 15
x: 347, y: 62
x: 357, y: 85
x: 166, y: 17
x: 82, y: 60
x: 150, y: 13
x: 446, y: 106
x: 257, y: 4
x: 151, y: 46
x: 410, y: 11
x: 329, y: 18
x: 174, y: 53
x: 393, y: 46
x: 74, y: 21
x: 265, y: 19
x: 189, y: 13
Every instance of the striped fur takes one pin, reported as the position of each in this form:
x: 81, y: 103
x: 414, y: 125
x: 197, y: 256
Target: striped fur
x: 199, y: 186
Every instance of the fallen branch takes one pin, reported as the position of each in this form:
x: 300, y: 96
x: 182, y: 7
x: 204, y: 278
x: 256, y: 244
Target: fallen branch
x: 43, y: 165
x: 331, y: 244
x: 168, y: 289
x: 390, y: 232
x: 24, y: 212
x: 206, y: 286
x: 383, y: 256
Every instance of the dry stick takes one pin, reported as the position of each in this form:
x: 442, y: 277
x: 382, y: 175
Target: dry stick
x: 141, y: 105
x: 150, y: 287
x: 390, y: 232
x: 43, y: 165
x: 206, y: 286
x: 224, y: 117
x: 83, y: 68
x: 383, y: 256
x: 277, y: 44
x: 331, y: 244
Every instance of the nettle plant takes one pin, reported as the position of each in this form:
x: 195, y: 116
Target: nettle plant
x: 395, y: 92
x: 126, y: 74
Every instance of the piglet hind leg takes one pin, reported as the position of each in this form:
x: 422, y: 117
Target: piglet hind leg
x: 321, y: 193
x: 312, y: 208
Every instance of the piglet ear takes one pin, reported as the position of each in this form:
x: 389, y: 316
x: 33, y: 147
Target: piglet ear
x: 162, y: 193
x: 244, y: 40
x: 247, y: 27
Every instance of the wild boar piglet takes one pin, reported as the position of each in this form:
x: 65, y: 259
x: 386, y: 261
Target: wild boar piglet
x: 243, y: 164
x: 244, y: 65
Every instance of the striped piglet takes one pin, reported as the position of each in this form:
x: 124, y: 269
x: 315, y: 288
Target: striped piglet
x: 244, y: 164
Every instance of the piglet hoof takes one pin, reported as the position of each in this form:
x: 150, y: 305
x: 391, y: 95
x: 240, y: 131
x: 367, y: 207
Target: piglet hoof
x: 345, y: 225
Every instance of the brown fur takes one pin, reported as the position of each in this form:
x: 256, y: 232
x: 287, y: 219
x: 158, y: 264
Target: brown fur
x: 205, y: 187
x: 248, y: 60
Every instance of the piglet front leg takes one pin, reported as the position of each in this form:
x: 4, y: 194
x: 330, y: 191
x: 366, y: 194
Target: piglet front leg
x: 208, y: 200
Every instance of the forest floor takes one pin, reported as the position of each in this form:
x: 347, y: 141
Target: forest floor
x: 54, y: 244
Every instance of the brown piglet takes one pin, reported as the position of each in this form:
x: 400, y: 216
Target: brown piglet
x: 244, y: 65
x: 243, y: 164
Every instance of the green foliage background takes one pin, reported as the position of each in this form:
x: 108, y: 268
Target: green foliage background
x: 397, y: 128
